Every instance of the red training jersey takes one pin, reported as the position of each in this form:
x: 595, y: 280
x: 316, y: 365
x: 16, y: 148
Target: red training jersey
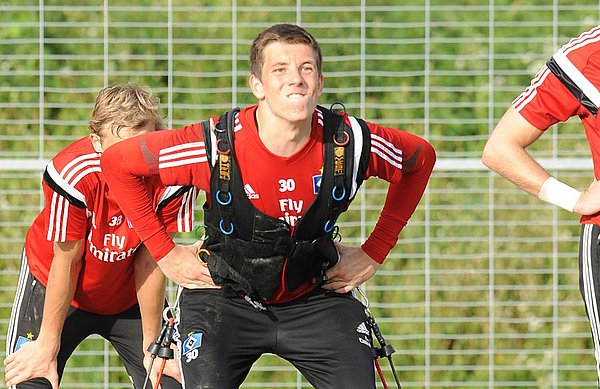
x: 547, y: 100
x: 78, y: 205
x: 281, y: 187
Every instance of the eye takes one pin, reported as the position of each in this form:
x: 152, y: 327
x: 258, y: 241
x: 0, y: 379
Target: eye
x: 307, y: 68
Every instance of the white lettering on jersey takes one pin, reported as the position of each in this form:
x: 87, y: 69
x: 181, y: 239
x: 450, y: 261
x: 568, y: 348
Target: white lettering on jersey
x: 287, y: 185
x: 114, y: 240
x: 291, y: 205
x: 289, y: 219
x: 116, y: 221
x: 106, y: 254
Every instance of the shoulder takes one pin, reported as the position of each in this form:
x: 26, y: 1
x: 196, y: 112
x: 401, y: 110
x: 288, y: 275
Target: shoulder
x: 75, y: 172
x: 78, y: 161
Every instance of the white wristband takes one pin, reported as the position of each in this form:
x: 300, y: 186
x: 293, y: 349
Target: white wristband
x: 559, y: 193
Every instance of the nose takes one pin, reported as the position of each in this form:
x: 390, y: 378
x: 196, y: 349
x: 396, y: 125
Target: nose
x: 296, y: 77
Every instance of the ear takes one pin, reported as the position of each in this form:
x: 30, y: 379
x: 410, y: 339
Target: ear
x: 95, y: 139
x: 321, y: 83
x: 256, y: 87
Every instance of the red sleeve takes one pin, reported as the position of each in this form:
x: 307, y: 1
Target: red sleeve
x: 177, y: 156
x: 546, y: 101
x: 406, y: 161
x: 65, y: 222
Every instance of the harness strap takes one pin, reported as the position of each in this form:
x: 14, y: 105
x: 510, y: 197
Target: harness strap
x: 253, y: 252
x: 226, y: 177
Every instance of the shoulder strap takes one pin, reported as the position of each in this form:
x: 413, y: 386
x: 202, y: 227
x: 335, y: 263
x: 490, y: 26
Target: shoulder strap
x: 337, y: 180
x: 225, y: 181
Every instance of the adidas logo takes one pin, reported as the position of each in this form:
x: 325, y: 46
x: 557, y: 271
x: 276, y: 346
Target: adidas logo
x: 362, y: 329
x: 250, y: 193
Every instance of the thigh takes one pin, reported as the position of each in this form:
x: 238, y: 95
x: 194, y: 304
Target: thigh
x: 326, y: 338
x: 26, y: 315
x: 26, y: 319
x: 219, y: 338
x: 589, y: 278
x: 589, y: 268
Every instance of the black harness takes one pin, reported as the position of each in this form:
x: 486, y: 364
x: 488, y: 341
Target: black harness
x: 252, y: 253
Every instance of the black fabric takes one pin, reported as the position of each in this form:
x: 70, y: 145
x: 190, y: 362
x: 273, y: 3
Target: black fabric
x: 589, y: 281
x: 308, y: 260
x: 58, y: 189
x: 123, y: 330
x: 174, y: 195
x: 572, y: 87
x: 323, y: 335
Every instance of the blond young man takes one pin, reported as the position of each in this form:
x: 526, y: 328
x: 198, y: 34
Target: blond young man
x: 84, y: 270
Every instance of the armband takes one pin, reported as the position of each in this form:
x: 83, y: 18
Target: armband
x: 559, y: 193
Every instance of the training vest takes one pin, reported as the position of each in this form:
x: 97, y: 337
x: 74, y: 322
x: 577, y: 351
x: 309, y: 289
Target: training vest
x: 251, y: 253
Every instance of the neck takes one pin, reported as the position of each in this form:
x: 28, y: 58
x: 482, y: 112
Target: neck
x: 281, y: 137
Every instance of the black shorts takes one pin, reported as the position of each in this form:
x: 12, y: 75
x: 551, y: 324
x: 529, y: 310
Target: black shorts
x: 589, y: 282
x: 122, y: 330
x: 324, y: 336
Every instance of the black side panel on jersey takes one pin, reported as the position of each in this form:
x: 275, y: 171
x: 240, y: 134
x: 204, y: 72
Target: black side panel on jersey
x: 173, y: 196
x: 207, y: 140
x: 575, y: 90
x: 61, y: 191
x: 365, y: 154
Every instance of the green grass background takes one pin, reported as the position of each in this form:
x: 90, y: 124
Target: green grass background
x: 481, y: 290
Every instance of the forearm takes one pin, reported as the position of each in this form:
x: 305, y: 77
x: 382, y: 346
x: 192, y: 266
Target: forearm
x: 124, y: 165
x: 505, y: 153
x: 150, y: 288
x: 401, y: 201
x: 62, y: 282
x: 516, y: 165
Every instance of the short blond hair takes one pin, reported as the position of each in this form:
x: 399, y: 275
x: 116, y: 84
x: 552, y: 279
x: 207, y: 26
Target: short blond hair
x: 125, y: 105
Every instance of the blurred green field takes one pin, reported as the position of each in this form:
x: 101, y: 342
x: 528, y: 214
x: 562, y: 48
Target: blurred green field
x: 482, y: 288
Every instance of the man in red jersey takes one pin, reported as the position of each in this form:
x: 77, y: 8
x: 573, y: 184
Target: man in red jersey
x: 277, y: 175
x: 84, y: 270
x: 566, y: 86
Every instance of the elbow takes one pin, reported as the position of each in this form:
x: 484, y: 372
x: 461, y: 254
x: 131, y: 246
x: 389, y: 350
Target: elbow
x: 430, y: 154
x: 489, y: 156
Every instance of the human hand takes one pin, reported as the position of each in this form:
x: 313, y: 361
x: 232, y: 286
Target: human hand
x: 33, y: 360
x: 353, y: 268
x: 589, y: 200
x: 182, y: 266
x: 170, y: 368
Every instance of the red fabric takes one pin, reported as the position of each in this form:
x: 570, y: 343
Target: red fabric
x: 547, y: 101
x: 106, y: 284
x: 282, y: 187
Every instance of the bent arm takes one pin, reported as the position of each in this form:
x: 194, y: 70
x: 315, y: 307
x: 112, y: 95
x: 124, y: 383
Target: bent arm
x: 38, y: 358
x: 505, y: 152
x: 124, y: 165
x: 402, y: 197
x: 358, y: 264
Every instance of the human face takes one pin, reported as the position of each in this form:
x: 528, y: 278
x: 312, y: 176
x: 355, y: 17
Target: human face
x: 107, y: 138
x: 290, y: 84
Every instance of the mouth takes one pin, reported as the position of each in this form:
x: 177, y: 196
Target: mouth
x: 295, y: 96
